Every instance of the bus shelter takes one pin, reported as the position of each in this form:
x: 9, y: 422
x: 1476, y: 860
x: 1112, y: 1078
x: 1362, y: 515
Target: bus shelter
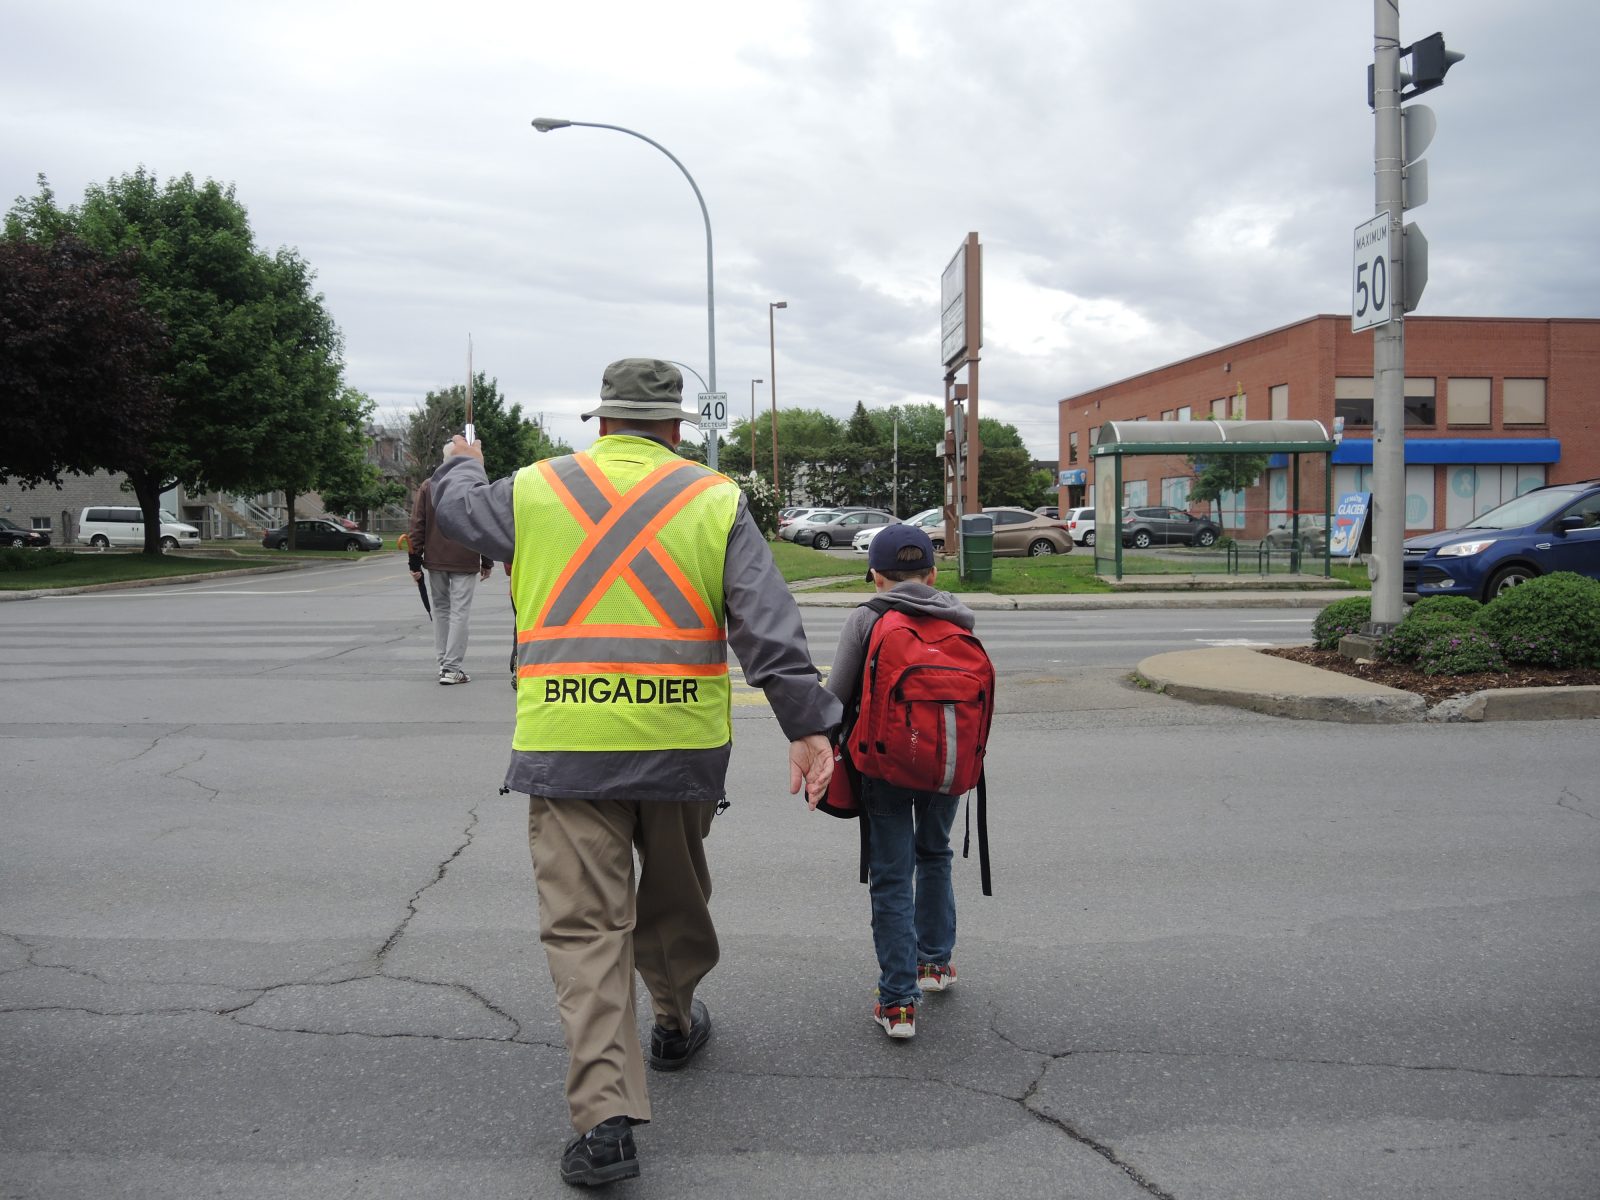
x: 1203, y: 439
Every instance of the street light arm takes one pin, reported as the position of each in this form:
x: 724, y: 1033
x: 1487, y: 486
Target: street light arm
x: 546, y: 124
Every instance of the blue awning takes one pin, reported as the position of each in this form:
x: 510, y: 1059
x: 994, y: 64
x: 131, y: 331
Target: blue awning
x: 1458, y: 450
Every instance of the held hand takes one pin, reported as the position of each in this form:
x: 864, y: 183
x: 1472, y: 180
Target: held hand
x: 483, y: 574
x: 460, y: 445
x: 811, y: 760
x: 417, y: 575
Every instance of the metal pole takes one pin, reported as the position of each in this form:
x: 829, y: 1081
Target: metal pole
x: 753, y: 383
x: 1388, y: 340
x: 772, y: 348
x: 894, y: 503
x: 545, y: 125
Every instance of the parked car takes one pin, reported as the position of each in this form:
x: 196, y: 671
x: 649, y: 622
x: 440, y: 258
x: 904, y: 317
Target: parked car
x: 1164, y: 526
x: 103, y: 526
x: 321, y: 534
x: 1313, y: 535
x: 931, y: 520
x: 839, y: 529
x: 1049, y: 510
x: 1555, y: 528
x: 786, y: 525
x: 1080, y: 525
x: 16, y: 535
x: 1020, y: 532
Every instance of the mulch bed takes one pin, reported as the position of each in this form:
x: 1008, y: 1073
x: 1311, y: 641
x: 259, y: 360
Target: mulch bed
x: 1434, y: 688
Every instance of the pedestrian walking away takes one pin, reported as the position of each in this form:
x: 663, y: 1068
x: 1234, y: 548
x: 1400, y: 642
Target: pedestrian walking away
x: 450, y: 568
x: 633, y: 572
x: 909, y: 793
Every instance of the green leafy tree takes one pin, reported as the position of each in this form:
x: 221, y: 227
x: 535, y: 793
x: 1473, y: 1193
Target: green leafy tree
x: 348, y: 480
x: 510, y: 440
x: 251, y: 366
x: 78, y: 390
x: 1217, y: 475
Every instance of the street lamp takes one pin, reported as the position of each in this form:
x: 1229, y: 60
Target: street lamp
x: 772, y: 347
x: 545, y: 125
x: 753, y: 383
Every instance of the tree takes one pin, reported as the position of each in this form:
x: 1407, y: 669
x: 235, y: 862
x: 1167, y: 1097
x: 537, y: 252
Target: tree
x: 252, y: 361
x: 509, y: 439
x: 1215, y: 475
x: 348, y: 481
x: 78, y: 388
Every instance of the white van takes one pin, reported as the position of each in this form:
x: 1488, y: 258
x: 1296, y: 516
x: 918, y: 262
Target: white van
x: 102, y: 526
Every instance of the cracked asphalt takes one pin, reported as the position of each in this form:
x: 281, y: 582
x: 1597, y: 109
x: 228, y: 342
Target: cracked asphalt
x: 267, y: 928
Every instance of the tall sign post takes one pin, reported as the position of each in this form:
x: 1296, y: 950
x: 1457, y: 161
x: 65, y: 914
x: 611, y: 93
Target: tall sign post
x: 1389, y: 273
x: 960, y: 340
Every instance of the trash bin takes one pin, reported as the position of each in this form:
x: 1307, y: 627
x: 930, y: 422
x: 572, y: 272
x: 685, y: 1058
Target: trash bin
x: 977, y: 548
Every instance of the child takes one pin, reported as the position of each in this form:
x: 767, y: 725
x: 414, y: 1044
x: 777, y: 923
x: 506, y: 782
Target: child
x: 909, y: 855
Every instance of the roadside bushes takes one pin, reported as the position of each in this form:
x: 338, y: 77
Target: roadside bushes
x: 1552, y: 621
x: 1339, y: 618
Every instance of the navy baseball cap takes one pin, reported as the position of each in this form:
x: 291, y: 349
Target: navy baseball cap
x: 883, y: 553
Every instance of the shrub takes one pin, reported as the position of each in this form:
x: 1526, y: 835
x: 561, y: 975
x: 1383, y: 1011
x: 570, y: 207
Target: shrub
x: 1464, y: 607
x: 1552, y: 621
x: 1466, y: 652
x: 1339, y: 618
x: 14, y: 558
x: 1405, y: 641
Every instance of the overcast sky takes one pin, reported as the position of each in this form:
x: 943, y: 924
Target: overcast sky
x: 1150, y: 178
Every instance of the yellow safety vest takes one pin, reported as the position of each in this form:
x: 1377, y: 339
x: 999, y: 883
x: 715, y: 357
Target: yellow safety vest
x: 617, y: 578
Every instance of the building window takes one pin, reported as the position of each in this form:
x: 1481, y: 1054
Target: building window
x: 1524, y: 401
x: 1219, y: 408
x: 1280, y: 402
x: 1094, y: 435
x: 1168, y: 414
x: 1467, y: 402
x: 1240, y: 405
x: 42, y: 523
x: 1352, y: 400
x: 1072, y: 447
x: 1135, y: 493
x: 1175, y: 490
x: 1185, y: 413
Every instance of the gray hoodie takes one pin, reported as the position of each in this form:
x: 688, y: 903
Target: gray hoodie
x: 911, y: 597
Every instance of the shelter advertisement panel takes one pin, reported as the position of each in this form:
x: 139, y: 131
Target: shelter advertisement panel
x: 1349, y: 517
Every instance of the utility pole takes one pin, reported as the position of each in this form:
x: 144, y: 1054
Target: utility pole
x: 1389, y: 339
x: 1394, y: 284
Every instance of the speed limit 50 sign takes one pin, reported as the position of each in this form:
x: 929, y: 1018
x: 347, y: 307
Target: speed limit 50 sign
x: 1372, y: 297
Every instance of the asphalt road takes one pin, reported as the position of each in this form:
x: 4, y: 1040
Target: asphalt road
x: 267, y: 930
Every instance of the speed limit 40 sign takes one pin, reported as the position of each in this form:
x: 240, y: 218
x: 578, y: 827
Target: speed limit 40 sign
x: 713, y: 410
x: 1372, y: 297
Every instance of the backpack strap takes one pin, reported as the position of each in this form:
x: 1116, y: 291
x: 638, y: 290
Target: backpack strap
x: 983, y: 833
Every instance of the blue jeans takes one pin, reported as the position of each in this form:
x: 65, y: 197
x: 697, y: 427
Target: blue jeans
x: 908, y: 871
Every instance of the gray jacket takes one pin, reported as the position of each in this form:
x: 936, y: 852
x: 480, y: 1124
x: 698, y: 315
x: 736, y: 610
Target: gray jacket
x: 909, y: 597
x: 764, y: 631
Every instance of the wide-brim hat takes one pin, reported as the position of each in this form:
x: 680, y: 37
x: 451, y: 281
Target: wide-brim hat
x: 646, y: 389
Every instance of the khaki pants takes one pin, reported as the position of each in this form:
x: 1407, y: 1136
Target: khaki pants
x: 596, y: 932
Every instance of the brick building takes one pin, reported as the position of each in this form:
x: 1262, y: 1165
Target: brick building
x: 1494, y: 406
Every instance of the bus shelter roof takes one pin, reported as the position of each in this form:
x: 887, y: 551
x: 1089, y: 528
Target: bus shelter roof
x: 1212, y: 437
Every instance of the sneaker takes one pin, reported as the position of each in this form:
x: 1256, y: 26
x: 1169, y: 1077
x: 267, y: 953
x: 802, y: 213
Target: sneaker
x: 898, y: 1020
x: 603, y: 1155
x: 671, y: 1050
x: 936, y: 977
x: 451, y: 675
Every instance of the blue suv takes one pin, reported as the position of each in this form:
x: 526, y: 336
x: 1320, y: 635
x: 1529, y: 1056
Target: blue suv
x: 1555, y: 528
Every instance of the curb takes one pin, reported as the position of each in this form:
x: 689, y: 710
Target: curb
x: 129, y: 584
x: 1098, y: 601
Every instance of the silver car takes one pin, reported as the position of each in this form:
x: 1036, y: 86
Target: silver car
x: 839, y: 528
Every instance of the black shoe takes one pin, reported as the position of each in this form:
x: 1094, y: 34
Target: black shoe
x: 671, y: 1050
x: 603, y: 1155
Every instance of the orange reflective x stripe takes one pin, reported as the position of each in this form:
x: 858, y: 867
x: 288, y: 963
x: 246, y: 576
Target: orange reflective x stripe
x: 620, y: 533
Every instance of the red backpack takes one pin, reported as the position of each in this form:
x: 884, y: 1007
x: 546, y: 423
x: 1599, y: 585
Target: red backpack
x: 927, y: 700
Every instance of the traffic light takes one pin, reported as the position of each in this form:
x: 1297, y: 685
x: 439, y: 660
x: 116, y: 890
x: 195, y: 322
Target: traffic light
x: 1429, y: 63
